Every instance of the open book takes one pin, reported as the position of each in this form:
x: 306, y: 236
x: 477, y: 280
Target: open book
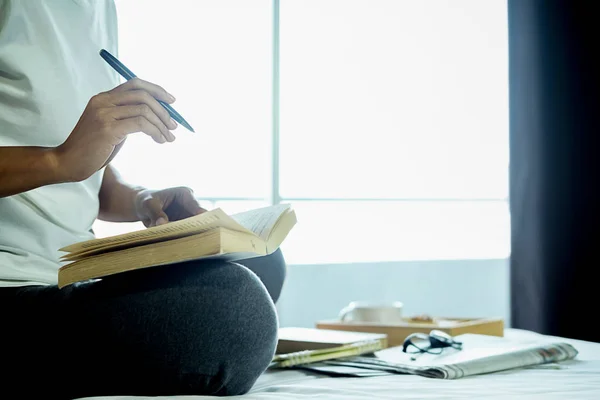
x: 212, y: 234
x: 481, y: 354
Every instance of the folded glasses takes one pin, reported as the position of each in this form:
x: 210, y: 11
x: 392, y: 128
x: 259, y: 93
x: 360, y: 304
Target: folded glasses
x: 433, y: 343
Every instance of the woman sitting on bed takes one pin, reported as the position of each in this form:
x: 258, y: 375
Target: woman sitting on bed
x: 185, y: 329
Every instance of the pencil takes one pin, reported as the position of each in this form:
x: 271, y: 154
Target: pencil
x: 127, y: 74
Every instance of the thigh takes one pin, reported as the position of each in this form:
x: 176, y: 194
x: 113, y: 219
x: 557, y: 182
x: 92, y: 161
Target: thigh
x: 192, y: 328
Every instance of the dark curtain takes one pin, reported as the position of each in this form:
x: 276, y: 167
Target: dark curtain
x: 554, y: 163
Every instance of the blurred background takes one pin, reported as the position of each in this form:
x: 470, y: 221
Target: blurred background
x: 384, y: 123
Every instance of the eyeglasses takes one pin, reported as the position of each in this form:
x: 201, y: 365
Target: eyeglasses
x: 433, y: 343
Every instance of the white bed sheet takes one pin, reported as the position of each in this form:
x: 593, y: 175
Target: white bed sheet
x: 573, y: 380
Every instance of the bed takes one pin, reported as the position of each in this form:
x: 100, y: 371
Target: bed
x: 572, y: 380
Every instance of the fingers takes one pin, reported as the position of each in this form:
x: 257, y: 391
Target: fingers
x: 190, y: 203
x: 126, y: 126
x: 142, y: 110
x: 154, y: 213
x: 139, y: 97
x: 157, y: 207
x: 138, y: 84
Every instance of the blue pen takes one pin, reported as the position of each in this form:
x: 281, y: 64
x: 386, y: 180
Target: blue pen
x: 127, y: 74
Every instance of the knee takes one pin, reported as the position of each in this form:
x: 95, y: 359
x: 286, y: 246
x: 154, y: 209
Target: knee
x: 231, y: 332
x: 189, y: 329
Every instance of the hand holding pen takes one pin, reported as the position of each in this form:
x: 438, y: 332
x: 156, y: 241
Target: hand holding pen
x: 107, y: 120
x: 128, y: 74
x: 134, y: 106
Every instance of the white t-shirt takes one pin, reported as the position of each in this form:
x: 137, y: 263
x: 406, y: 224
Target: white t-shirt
x: 49, y: 69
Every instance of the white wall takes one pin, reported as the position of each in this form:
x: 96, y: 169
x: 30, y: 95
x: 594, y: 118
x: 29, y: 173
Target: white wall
x: 462, y: 288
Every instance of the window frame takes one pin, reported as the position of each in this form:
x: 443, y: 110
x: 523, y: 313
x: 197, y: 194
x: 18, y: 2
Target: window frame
x: 274, y: 196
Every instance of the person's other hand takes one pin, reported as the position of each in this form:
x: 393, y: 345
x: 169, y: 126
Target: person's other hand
x: 107, y: 120
x: 157, y: 207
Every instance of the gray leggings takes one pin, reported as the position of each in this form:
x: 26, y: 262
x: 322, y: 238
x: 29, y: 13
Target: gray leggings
x: 203, y: 328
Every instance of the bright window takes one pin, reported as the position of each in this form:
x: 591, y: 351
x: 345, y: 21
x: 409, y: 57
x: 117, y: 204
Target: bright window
x: 391, y: 119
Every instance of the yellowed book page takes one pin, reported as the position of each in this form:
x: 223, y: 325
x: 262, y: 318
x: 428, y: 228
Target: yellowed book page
x: 185, y: 227
x: 261, y: 220
x: 280, y: 231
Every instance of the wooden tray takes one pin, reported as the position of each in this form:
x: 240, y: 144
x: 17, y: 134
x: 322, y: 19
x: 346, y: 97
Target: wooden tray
x: 397, y: 333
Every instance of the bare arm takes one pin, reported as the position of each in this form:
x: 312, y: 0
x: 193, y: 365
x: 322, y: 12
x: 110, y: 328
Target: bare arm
x: 108, y: 118
x: 27, y: 168
x: 117, y: 198
x: 122, y: 202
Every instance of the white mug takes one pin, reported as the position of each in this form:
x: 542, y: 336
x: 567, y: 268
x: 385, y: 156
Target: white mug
x: 387, y: 313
